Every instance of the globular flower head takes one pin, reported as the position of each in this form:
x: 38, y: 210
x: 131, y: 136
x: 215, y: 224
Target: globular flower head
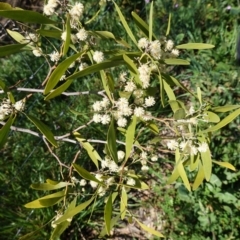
x: 82, y: 34
x: 169, y: 45
x: 143, y: 43
x: 37, y: 52
x: 54, y: 56
x: 19, y: 105
x: 172, y: 144
x: 155, y: 49
x: 76, y: 11
x: 98, y: 56
x: 149, y: 101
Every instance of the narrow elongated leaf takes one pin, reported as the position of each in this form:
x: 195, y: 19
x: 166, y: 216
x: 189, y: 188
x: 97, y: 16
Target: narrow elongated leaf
x: 17, y: 37
x: 58, y: 91
x: 105, y: 84
x: 224, y: 122
x: 26, y: 16
x: 130, y: 64
x: 68, y: 36
x: 109, y: 35
x: 207, y: 164
x: 92, y: 153
x: 176, y: 61
x: 151, y: 21
x: 59, y: 72
x: 143, y: 26
x: 195, y: 46
x: 161, y: 85
x: 225, y: 164
x: 95, y: 68
x: 74, y: 211
x: 169, y: 24
x: 194, y: 161
x: 113, y: 222
x: 181, y: 170
x: 225, y: 108
x: 111, y: 141
x: 85, y: 174
x: 130, y: 136
x: 199, y: 178
x: 179, y: 114
x: 44, y: 129
x: 108, y: 214
x: 125, y: 25
x: 50, y: 33
x: 169, y: 91
x: 59, y: 229
x: 4, y: 131
x: 149, y: 230
x: 46, y: 201
x: 47, y: 186
x: 199, y: 94
x: 10, y: 49
x: 123, y: 203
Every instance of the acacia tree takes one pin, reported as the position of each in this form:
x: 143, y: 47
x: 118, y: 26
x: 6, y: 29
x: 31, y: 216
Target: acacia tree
x: 126, y: 108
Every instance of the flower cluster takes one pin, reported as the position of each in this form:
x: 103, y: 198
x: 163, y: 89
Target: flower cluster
x: 49, y: 8
x: 7, y: 108
x: 158, y: 50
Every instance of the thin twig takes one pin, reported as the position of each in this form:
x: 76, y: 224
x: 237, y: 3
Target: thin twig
x: 60, y: 163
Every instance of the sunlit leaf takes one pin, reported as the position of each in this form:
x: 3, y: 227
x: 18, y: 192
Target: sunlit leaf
x: 151, y: 21
x: 224, y: 122
x: 112, y: 223
x: 47, y: 186
x: 50, y: 33
x: 176, y: 61
x: 225, y: 164
x: 169, y: 24
x: 149, y: 230
x: 44, y: 129
x: 179, y: 114
x: 46, y: 201
x: 225, y: 108
x: 207, y: 164
x: 195, y: 46
x: 130, y: 136
x: 74, y: 211
x: 199, y: 178
x: 123, y: 203
x: 211, y: 117
x: 199, y: 94
x: 108, y: 214
x: 92, y: 153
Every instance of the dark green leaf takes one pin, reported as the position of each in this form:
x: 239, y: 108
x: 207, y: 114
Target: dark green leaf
x: 59, y: 72
x: 4, y: 131
x: 26, y: 16
x: 111, y: 141
x: 10, y: 49
x: 44, y: 129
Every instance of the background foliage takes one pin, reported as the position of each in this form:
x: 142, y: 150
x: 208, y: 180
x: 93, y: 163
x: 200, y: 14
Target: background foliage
x: 212, y: 212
